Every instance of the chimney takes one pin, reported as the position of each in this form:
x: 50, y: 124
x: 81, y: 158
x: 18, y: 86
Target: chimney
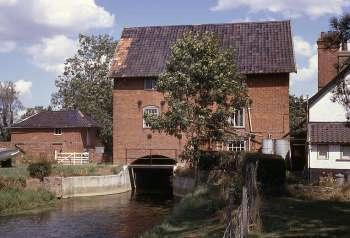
x: 330, y: 61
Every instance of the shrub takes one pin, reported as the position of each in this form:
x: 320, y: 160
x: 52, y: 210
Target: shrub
x: 39, y: 170
x: 271, y: 172
x: 209, y: 160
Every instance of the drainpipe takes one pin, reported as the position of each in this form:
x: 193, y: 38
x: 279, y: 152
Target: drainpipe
x: 308, y: 145
x: 250, y: 127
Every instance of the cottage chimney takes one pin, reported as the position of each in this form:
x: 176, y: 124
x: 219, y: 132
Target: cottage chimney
x: 330, y: 61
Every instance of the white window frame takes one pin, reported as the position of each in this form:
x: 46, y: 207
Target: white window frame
x: 59, y: 130
x: 318, y: 152
x: 342, y: 157
x: 236, y: 148
x: 144, y: 124
x: 232, y: 121
x: 153, y: 84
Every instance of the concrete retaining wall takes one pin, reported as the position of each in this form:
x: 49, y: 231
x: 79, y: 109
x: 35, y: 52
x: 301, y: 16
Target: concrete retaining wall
x: 89, y: 185
x: 182, y: 186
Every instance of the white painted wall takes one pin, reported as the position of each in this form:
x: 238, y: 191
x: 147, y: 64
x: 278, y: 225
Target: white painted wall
x: 331, y: 163
x: 324, y: 110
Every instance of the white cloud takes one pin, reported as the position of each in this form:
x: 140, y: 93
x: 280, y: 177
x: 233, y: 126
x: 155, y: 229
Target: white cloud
x: 31, y: 20
x: 7, y: 46
x: 23, y: 87
x: 302, y: 47
x: 7, y: 2
x: 309, y: 72
x: 290, y: 8
x: 77, y: 14
x: 51, y: 53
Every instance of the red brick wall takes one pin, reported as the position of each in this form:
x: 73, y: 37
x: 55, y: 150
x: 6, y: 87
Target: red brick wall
x: 43, y: 141
x: 269, y: 110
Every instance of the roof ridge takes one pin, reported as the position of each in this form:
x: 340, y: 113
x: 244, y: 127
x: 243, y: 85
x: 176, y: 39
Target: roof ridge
x: 209, y: 24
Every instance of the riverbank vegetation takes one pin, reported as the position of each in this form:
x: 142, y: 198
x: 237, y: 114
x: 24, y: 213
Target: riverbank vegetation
x: 198, y: 214
x: 15, y: 198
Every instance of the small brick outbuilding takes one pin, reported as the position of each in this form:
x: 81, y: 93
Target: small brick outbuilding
x: 63, y: 131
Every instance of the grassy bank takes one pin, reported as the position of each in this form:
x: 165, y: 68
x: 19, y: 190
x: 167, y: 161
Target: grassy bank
x: 197, y: 215
x: 18, y: 201
x: 293, y: 217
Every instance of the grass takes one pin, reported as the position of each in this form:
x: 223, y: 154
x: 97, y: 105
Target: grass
x: 196, y: 215
x: 293, y: 217
x: 17, y: 200
x: 15, y: 172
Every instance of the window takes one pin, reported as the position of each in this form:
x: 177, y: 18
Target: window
x: 149, y: 110
x: 57, y: 131
x: 238, y: 118
x: 150, y: 84
x: 236, y: 145
x: 219, y: 146
x: 322, y: 151
x: 345, y: 152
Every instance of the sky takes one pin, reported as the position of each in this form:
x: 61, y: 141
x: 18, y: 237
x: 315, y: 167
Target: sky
x: 36, y: 36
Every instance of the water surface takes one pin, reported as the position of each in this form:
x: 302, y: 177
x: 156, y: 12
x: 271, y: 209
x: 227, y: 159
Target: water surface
x: 121, y: 215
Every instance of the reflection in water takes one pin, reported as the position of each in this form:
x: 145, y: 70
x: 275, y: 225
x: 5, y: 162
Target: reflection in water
x: 121, y: 215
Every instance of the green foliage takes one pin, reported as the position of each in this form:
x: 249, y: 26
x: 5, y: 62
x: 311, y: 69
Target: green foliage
x: 84, y: 84
x: 39, y: 170
x: 9, y: 107
x: 202, y: 87
x: 297, y: 114
x: 18, y: 200
x: 209, y: 160
x: 7, y: 183
x: 271, y: 172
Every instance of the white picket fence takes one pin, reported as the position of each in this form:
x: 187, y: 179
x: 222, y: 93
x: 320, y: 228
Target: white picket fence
x: 72, y: 158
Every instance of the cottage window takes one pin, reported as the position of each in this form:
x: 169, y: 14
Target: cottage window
x: 322, y: 151
x: 345, y: 152
x: 57, y: 131
x: 237, y: 119
x: 150, y: 84
x: 149, y: 110
x: 236, y: 145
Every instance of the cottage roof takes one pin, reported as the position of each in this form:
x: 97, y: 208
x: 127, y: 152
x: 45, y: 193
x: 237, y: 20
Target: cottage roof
x: 325, y: 132
x: 57, y: 119
x: 260, y: 47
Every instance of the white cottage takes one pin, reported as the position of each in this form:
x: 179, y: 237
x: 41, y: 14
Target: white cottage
x: 328, y: 132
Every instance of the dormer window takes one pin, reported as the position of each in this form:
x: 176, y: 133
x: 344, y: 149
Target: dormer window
x: 57, y: 131
x: 150, y: 84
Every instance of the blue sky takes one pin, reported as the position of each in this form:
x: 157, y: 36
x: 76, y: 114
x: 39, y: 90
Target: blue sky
x: 37, y: 36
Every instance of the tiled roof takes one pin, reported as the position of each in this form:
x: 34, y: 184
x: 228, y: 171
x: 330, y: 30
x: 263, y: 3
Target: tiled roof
x: 57, y: 119
x: 329, y: 132
x: 260, y: 47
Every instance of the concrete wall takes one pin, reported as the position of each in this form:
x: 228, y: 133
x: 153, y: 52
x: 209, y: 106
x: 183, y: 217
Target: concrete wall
x: 89, y: 185
x: 182, y: 186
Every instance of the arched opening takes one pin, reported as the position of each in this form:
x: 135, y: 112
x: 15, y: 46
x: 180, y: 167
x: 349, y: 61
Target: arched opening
x: 152, y: 175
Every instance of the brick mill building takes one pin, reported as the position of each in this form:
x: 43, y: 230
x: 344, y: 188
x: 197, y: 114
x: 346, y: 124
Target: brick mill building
x: 263, y: 52
x: 63, y: 131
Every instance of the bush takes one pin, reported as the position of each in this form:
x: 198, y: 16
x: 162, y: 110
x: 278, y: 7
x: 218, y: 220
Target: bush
x: 210, y: 160
x: 39, y: 170
x: 271, y: 172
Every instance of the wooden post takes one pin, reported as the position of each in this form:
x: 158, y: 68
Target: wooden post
x: 244, y: 225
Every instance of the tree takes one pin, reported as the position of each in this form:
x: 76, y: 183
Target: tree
x: 202, y: 88
x: 297, y: 115
x: 9, y: 106
x: 84, y: 84
x: 339, y: 35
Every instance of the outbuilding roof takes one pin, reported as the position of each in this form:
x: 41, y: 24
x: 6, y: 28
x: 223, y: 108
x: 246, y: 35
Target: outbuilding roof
x: 260, y: 47
x: 326, y: 132
x: 57, y: 119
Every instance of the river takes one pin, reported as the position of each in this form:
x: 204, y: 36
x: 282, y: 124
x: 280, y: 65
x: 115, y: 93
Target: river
x: 120, y: 216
